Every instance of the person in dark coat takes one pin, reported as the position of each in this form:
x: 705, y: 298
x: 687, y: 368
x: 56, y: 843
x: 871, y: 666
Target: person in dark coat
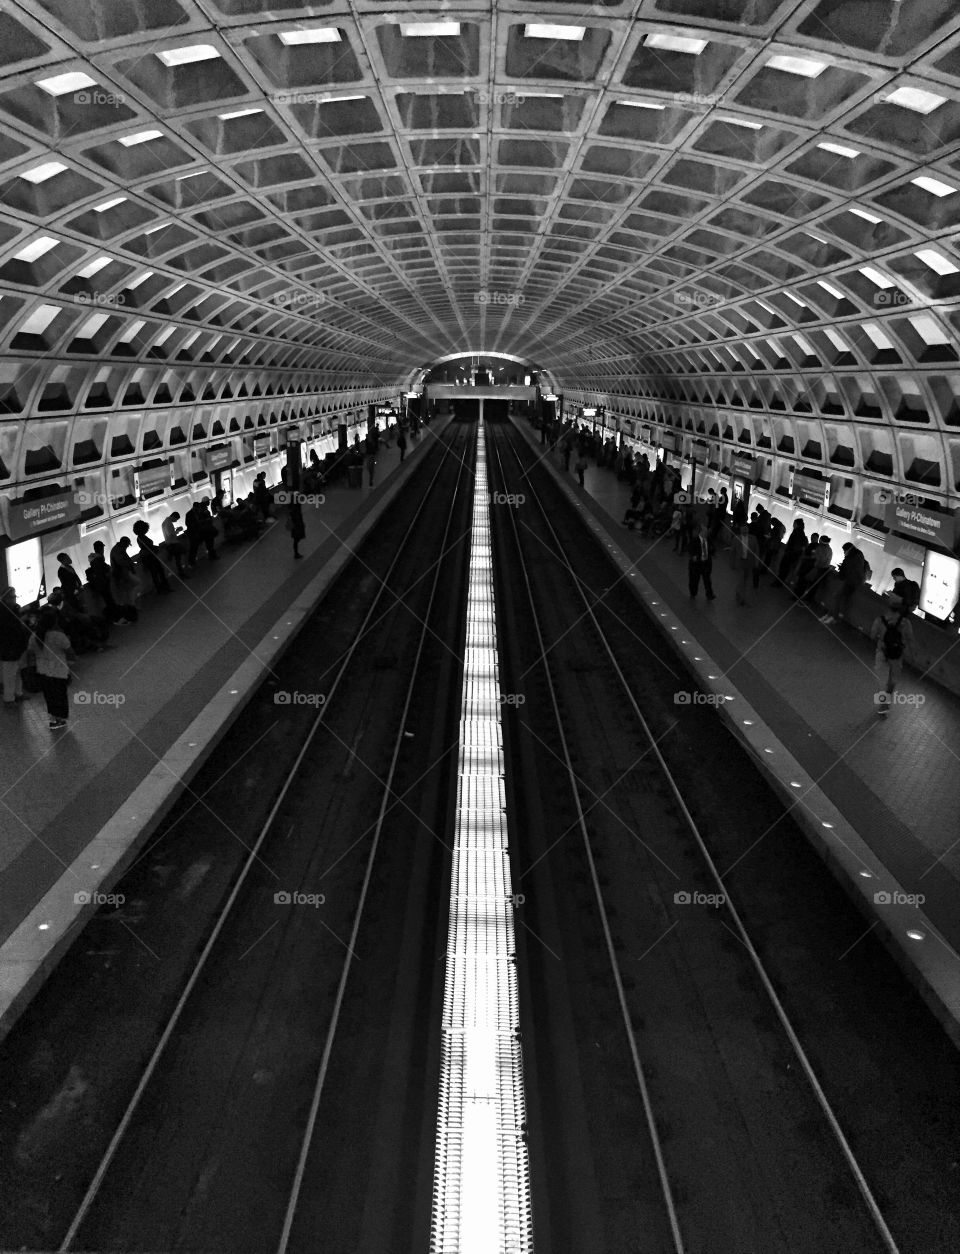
x: 70, y: 582
x: 793, y: 550
x: 100, y: 583
x: 402, y: 443
x: 700, y: 562
x: 261, y: 494
x: 149, y: 558
x: 124, y: 580
x: 14, y: 638
x: 296, y: 527
x: 200, y: 530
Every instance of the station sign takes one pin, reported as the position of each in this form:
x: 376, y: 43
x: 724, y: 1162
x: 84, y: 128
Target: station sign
x: 151, y: 477
x: 743, y: 466
x: 809, y: 491
x: 918, y: 522
x: 670, y: 441
x: 30, y: 518
x: 219, y: 458
x: 261, y: 445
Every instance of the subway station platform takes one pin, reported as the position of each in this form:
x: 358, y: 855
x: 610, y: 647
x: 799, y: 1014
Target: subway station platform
x: 879, y: 797
x: 76, y: 804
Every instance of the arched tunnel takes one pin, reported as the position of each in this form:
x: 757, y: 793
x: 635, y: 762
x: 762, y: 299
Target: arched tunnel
x: 475, y: 884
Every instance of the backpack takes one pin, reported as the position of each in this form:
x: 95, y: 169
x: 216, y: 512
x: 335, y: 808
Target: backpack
x: 893, y: 640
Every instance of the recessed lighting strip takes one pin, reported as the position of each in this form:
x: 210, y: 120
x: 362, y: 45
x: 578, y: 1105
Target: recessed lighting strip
x: 481, y: 1189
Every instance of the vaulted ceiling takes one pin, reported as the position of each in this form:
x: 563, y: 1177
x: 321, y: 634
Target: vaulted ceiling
x: 618, y: 192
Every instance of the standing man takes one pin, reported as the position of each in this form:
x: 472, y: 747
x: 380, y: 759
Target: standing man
x: 894, y: 637
x: 700, y: 563
x: 14, y: 638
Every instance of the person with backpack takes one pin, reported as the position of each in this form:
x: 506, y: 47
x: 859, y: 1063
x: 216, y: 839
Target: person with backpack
x: 894, y: 638
x: 908, y: 590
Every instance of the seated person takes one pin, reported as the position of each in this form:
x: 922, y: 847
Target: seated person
x: 86, y: 632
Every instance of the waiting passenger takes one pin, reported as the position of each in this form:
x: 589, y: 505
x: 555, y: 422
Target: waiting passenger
x: 14, y: 638
x: 200, y: 530
x: 296, y: 527
x: 51, y: 648
x: 175, y: 548
x: 149, y: 558
x: 87, y: 632
x: 124, y: 580
x: 70, y: 582
x: 852, y: 571
x: 100, y: 582
x: 805, y: 566
x: 822, y: 566
x: 700, y: 563
x: 894, y: 638
x: 908, y: 590
x: 792, y: 551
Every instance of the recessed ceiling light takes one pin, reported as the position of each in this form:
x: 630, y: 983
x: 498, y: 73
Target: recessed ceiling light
x: 431, y: 30
x: 806, y: 67
x: 796, y: 300
x: 877, y: 334
x: 936, y: 261
x: 876, y: 277
x: 928, y: 329
x: 40, y: 173
x: 341, y: 99
x: 186, y: 56
x: 190, y: 174
x: 862, y: 213
x: 828, y: 287
x: 93, y: 267
x: 238, y: 113
x: 549, y: 30
x: 91, y: 326
x: 642, y: 104
x: 318, y: 35
x: 62, y: 84
x: 676, y: 43
x: 915, y: 99
x: 840, y: 150
x: 36, y: 248
x: 141, y: 137
x: 109, y: 204
x: 159, y: 227
x: 750, y: 126
x: 38, y: 321
x: 934, y: 186
x: 141, y: 278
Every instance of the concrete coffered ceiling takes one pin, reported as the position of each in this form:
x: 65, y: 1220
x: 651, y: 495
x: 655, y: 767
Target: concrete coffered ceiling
x: 750, y: 202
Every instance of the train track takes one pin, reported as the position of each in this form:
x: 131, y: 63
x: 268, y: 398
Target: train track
x: 233, y: 1111
x: 743, y: 1150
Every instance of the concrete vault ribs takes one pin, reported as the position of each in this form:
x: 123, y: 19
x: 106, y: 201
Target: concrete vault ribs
x: 738, y: 219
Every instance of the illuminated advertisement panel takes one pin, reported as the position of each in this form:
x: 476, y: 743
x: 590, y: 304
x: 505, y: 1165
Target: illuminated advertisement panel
x: 940, y: 586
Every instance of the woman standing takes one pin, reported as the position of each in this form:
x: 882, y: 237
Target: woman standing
x: 124, y: 580
x: 295, y: 526
x: 52, y: 648
x: 747, y: 549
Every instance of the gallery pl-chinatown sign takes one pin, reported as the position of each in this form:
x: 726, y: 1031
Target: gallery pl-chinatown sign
x: 30, y: 518
x: 916, y: 521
